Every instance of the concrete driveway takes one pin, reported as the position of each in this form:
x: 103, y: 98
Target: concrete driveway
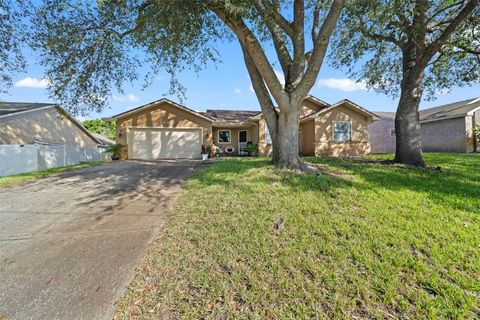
x: 69, y: 243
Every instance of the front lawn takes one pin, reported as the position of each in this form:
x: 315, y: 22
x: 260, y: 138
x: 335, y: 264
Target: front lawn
x: 364, y: 240
x: 28, y: 176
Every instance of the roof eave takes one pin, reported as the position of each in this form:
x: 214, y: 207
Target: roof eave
x: 151, y: 104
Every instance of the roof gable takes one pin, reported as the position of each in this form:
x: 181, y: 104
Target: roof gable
x: 344, y: 102
x: 154, y: 104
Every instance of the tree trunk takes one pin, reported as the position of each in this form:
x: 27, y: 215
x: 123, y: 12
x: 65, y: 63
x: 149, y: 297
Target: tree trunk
x: 287, y: 139
x: 407, y: 124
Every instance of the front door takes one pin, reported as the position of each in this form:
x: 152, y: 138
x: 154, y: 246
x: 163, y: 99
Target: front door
x: 242, y: 141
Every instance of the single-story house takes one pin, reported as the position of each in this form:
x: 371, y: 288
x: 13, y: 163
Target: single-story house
x: 165, y: 129
x: 447, y: 128
x: 42, y: 123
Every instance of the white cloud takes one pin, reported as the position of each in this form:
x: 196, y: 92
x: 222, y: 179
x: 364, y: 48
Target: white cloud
x: 29, y: 82
x: 129, y: 97
x: 237, y: 91
x: 346, y: 85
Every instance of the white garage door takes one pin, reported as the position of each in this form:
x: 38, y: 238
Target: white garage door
x: 166, y: 143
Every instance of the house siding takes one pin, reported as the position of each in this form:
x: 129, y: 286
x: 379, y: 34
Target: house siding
x: 324, y: 144
x: 46, y: 125
x: 381, y: 139
x: 162, y: 115
x: 448, y: 135
x: 264, y: 149
x: 307, y: 141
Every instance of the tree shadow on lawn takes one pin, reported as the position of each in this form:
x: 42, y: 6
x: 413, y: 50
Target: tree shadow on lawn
x: 449, y: 187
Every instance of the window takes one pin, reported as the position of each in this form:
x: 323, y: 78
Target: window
x: 342, y: 131
x: 392, y: 133
x: 224, y: 136
x: 268, y: 137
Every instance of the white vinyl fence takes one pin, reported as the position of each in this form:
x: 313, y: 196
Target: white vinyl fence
x: 16, y: 158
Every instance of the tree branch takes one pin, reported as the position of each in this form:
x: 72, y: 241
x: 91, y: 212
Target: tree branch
x: 437, y: 44
x: 277, y: 36
x: 263, y: 96
x: 298, y: 66
x: 254, y: 48
x: 320, y: 46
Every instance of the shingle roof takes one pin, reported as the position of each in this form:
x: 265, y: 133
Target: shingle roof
x: 231, y: 116
x: 385, y: 115
x: 451, y: 110
x: 14, y: 107
x: 104, y: 140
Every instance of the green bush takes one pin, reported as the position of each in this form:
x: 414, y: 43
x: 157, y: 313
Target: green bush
x: 115, y: 150
x: 251, y: 149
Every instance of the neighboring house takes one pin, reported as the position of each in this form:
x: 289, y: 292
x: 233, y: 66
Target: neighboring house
x: 447, y: 128
x: 165, y: 129
x: 382, y: 133
x: 41, y: 123
x: 102, y: 139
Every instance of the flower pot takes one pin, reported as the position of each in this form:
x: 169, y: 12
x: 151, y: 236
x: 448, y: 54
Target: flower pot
x: 204, y: 156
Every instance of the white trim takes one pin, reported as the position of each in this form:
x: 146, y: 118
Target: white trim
x: 266, y: 130
x: 333, y: 131
x: 27, y: 111
x: 218, y: 136
x: 238, y: 133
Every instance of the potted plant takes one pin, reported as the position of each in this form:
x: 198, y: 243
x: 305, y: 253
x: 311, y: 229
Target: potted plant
x: 211, y: 150
x: 115, y: 151
x: 251, y: 149
x: 204, y: 152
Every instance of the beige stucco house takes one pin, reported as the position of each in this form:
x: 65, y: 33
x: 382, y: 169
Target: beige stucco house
x: 447, y: 128
x: 165, y: 129
x: 29, y: 123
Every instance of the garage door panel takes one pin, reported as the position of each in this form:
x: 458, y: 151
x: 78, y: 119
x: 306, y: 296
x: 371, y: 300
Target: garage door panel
x: 165, y: 143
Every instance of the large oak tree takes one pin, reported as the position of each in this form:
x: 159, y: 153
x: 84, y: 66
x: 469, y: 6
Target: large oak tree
x: 408, y: 48
x: 88, y: 48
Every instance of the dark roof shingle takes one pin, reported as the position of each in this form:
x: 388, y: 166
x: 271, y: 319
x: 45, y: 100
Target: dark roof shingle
x: 451, y: 110
x: 14, y: 107
x: 231, y: 116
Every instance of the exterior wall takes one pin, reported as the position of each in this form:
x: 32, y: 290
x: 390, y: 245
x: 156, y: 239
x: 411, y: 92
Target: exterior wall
x: 471, y: 122
x: 448, y: 135
x: 307, y: 138
x: 47, y: 125
x: 251, y: 136
x: 264, y: 149
x: 380, y: 136
x: 324, y: 144
x: 162, y: 115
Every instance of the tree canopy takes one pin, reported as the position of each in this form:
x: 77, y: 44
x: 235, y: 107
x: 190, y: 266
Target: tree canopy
x: 99, y: 126
x: 12, y: 37
x: 373, y: 37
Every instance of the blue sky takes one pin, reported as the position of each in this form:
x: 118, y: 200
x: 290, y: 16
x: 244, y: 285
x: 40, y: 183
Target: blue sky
x: 223, y: 86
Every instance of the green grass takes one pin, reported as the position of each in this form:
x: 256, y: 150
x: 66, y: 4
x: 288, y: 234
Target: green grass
x: 24, y: 177
x: 367, y: 240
